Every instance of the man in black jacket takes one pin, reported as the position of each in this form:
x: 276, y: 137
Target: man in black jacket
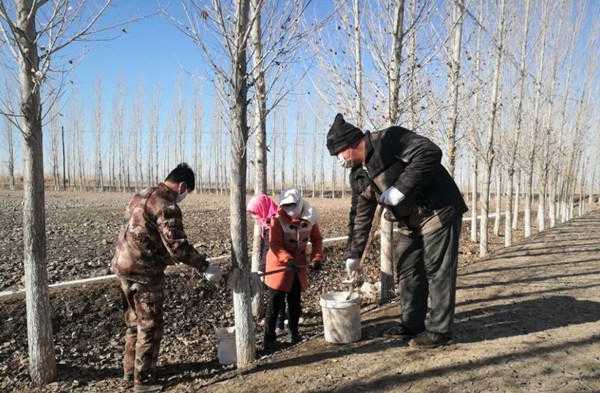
x: 402, y: 171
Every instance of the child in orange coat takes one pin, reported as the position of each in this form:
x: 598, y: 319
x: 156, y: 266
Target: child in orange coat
x: 286, y: 272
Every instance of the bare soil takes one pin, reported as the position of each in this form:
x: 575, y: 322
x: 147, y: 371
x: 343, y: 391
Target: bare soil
x: 87, y: 321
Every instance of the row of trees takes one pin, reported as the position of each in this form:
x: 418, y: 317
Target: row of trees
x: 506, y: 88
x: 131, y: 149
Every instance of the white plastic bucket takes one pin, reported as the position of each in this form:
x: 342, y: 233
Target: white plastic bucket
x: 226, y: 352
x: 341, y: 317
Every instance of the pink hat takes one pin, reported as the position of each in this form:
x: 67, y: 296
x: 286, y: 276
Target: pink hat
x: 263, y: 207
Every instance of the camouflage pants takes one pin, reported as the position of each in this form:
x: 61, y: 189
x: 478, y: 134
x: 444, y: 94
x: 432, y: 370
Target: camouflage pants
x: 143, y: 303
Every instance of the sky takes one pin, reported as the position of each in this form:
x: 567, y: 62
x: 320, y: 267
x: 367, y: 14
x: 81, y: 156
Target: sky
x: 154, y: 53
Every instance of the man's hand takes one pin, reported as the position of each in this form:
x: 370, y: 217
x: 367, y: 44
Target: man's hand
x: 391, y: 197
x: 353, y: 267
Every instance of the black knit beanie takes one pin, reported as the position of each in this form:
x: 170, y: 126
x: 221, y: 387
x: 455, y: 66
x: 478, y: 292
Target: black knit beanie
x: 342, y: 135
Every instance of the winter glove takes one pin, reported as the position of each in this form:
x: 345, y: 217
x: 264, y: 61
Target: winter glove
x: 213, y: 273
x: 391, y: 197
x: 353, y: 267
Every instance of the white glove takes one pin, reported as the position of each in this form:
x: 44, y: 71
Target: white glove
x: 353, y: 266
x: 213, y: 273
x: 391, y: 197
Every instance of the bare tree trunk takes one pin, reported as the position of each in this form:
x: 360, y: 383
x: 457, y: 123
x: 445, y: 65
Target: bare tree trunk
x: 333, y: 179
x: 474, y: 201
x: 483, y: 224
x: 508, y: 212
x: 528, y: 200
x: 314, y: 162
x: 274, y: 144
x: 153, y: 124
x: 11, y: 153
x: 457, y: 23
x: 260, y: 158
x: 99, y: 174
x: 513, y: 153
x: 483, y: 242
x: 42, y: 363
x: 197, y: 116
x: 413, y: 90
x: 242, y: 296
x: 394, y: 71
x: 386, y: 275
x: 517, y: 202
x: 54, y: 131
x: 498, y: 200
x: 283, y: 150
x: 358, y: 71
x: 322, y: 176
x: 536, y: 122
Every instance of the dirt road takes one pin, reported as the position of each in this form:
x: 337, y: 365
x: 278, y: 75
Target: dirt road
x: 528, y: 320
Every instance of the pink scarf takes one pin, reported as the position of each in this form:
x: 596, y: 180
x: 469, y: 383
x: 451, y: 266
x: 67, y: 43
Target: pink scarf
x: 264, y: 207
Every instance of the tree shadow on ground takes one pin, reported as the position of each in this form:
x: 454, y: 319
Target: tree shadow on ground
x: 528, y: 280
x: 86, y: 375
x: 530, y: 266
x: 176, y: 373
x: 525, y: 294
x: 396, y: 380
x: 535, y: 315
x: 485, y: 323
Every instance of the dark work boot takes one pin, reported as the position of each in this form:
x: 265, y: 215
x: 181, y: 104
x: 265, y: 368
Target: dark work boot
x: 295, y: 337
x: 430, y: 340
x: 270, y: 344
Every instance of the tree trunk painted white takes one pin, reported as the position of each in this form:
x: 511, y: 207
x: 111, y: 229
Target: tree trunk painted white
x: 527, y: 212
x: 474, y: 200
x: 42, y: 362
x: 494, y: 105
x: 508, y: 211
x: 485, y: 203
x: 517, y: 202
x: 458, y: 12
x: 537, y: 118
x: 514, y: 148
x: 386, y: 275
x: 260, y: 151
x: 242, y: 296
x: 498, y: 215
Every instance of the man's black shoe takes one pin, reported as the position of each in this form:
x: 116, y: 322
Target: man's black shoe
x: 430, y: 340
x: 296, y: 338
x: 270, y: 345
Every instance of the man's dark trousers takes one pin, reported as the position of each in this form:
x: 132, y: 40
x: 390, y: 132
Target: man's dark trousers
x: 427, y: 269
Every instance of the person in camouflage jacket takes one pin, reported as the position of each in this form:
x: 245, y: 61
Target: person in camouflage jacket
x: 151, y: 239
